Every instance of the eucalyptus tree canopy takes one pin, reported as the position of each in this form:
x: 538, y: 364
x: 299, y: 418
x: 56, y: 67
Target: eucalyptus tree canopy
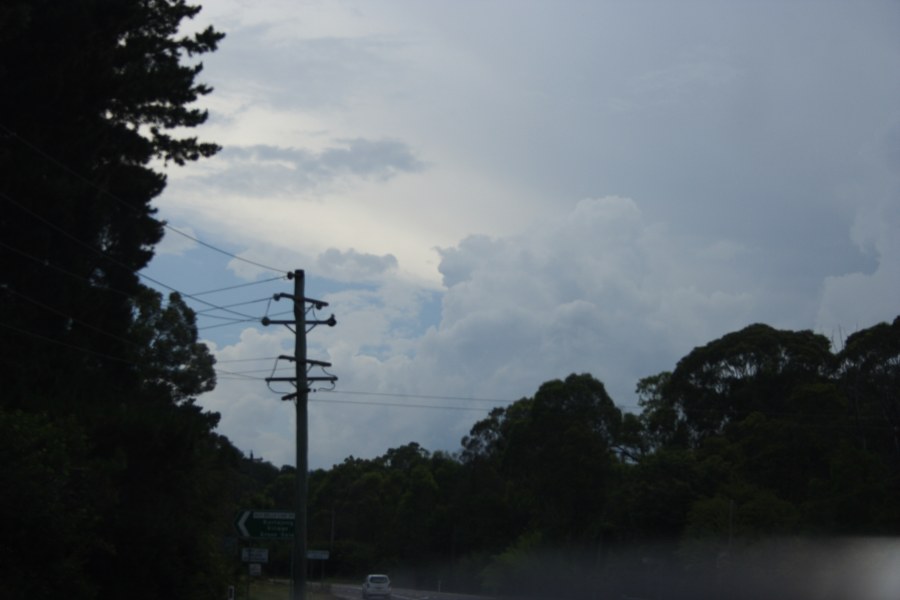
x: 755, y: 369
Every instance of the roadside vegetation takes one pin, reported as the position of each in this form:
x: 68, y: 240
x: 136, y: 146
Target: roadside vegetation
x: 760, y: 450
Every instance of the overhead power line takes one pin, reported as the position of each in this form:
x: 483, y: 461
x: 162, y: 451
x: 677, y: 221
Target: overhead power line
x: 44, y: 264
x: 220, y: 325
x: 423, y: 396
x: 221, y: 251
x: 240, y: 285
x: 405, y: 405
x: 60, y: 164
x: 56, y: 311
x: 66, y: 344
x: 240, y: 317
x: 234, y: 360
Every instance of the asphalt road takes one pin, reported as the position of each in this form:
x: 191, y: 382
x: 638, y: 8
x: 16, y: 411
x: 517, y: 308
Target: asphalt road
x: 353, y: 592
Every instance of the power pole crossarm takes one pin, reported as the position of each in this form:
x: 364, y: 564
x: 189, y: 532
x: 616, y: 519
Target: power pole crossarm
x: 330, y: 321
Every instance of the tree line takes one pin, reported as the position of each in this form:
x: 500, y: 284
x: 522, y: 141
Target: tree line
x: 758, y: 436
x: 115, y: 483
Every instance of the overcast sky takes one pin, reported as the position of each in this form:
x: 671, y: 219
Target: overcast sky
x: 493, y: 194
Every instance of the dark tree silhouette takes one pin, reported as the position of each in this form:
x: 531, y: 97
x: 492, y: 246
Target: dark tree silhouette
x: 99, y: 377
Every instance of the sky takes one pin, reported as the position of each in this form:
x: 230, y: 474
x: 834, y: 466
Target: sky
x: 490, y: 195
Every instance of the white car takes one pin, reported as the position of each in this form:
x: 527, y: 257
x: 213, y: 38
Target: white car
x: 376, y: 586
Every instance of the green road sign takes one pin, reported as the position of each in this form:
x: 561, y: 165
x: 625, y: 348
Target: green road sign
x: 265, y: 524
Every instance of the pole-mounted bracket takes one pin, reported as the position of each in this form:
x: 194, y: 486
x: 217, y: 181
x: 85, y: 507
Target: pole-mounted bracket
x: 309, y: 361
x: 317, y: 304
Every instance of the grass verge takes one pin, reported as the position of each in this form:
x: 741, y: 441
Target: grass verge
x: 276, y: 589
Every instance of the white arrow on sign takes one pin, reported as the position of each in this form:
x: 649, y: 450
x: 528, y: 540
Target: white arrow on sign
x: 242, y: 523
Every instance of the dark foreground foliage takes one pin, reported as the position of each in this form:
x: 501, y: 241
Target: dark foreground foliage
x: 112, y: 478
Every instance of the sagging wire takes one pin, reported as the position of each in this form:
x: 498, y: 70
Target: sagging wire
x: 271, y: 377
x: 329, y: 375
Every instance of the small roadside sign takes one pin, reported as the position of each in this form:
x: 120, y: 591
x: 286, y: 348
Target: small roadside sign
x: 317, y: 554
x: 255, y: 555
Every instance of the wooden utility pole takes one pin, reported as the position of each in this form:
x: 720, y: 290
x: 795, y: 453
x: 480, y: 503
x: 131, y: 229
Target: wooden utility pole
x: 301, y: 439
x: 301, y: 380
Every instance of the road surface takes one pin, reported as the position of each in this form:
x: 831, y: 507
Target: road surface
x: 353, y: 592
